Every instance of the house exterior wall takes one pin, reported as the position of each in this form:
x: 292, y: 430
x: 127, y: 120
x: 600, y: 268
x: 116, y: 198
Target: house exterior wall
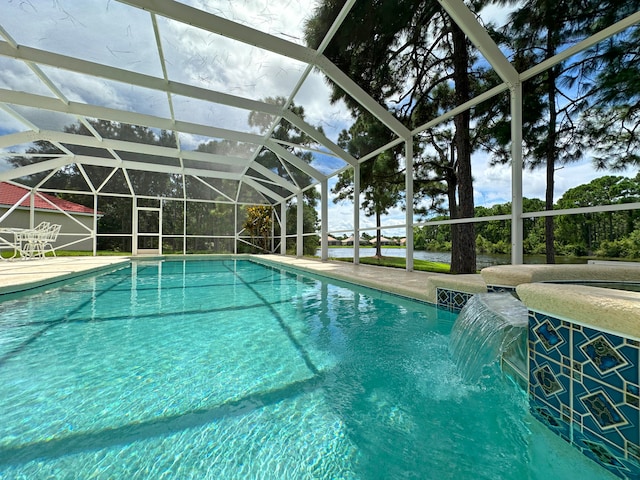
x: 70, y: 231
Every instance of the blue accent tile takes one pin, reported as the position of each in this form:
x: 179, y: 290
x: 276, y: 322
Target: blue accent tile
x: 601, y: 371
x: 603, y: 355
x: 550, y: 419
x: 630, y: 352
x: 589, y: 384
x: 603, y: 410
x: 634, y: 454
x: 632, y: 395
x: 443, y: 297
x: 548, y: 386
x: 547, y: 381
x: 607, y: 417
x: 606, y: 455
x: 452, y: 299
x: 548, y: 336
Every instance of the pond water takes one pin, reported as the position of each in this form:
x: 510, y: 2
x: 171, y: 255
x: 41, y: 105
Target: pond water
x: 483, y: 260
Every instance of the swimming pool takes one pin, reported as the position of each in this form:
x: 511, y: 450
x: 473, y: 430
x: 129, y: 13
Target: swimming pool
x: 232, y: 370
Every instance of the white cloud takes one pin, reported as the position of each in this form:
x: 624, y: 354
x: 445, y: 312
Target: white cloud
x: 496, y: 14
x: 283, y: 19
x: 492, y: 185
x: 17, y: 76
x: 314, y: 97
x: 105, y: 32
x: 204, y: 59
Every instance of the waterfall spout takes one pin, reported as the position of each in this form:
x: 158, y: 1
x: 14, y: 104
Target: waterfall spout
x: 489, y: 326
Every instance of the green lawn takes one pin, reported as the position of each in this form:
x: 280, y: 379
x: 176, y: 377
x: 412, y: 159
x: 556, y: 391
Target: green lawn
x: 393, y: 262
x: 400, y: 262
x: 71, y: 253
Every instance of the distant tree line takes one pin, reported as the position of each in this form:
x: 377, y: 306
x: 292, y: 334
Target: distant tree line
x: 601, y: 234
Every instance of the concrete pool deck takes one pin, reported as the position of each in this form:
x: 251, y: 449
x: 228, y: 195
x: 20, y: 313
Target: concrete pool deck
x: 18, y: 275
x: 417, y: 285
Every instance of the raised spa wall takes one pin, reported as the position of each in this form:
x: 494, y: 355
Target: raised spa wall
x: 583, y: 353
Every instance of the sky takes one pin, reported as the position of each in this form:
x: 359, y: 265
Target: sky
x: 108, y: 32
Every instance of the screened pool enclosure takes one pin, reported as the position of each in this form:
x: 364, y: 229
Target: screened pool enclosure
x: 179, y: 115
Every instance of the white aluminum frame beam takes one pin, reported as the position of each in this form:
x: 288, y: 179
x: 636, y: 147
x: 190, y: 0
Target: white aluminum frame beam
x: 479, y: 36
x: 34, y: 168
x: 167, y: 152
x: 93, y: 69
x: 517, y: 225
x: 151, y: 167
x: 357, y: 93
x: 283, y: 228
x: 133, y: 147
x: 299, y: 225
x: 295, y: 161
x: 408, y: 178
x: 123, y: 116
x: 262, y: 189
x: 324, y: 219
x: 226, y: 28
x: 18, y: 138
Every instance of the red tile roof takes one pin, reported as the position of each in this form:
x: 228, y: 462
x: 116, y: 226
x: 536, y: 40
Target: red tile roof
x: 11, y: 194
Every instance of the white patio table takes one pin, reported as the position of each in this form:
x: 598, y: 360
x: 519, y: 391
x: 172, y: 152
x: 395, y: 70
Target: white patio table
x: 11, y: 239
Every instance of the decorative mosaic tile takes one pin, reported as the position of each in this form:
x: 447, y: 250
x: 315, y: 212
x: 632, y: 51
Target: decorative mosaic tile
x: 601, y: 453
x: 603, y: 355
x: 548, y: 385
x: 603, y: 416
x: 547, y: 380
x: 459, y: 299
x: 452, y: 299
x: 548, y: 336
x: 550, y: 419
x: 634, y: 452
x: 603, y: 410
x: 632, y: 396
x: 565, y: 414
x: 584, y: 384
x: 606, y: 358
x: 444, y: 297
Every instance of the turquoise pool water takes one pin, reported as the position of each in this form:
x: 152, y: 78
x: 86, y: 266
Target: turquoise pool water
x: 233, y: 370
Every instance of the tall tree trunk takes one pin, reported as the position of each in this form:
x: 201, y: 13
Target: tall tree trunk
x: 550, y: 150
x: 378, y: 224
x: 452, y: 197
x: 548, y: 221
x: 463, y: 239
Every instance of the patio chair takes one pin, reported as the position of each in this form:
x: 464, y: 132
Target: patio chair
x: 27, y: 239
x: 48, y: 238
x: 35, y: 241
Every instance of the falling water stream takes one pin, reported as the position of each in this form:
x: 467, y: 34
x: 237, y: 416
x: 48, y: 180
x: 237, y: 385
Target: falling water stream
x: 488, y: 326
